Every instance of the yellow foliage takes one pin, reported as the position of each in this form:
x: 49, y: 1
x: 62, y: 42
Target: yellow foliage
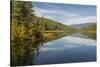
x: 17, y: 31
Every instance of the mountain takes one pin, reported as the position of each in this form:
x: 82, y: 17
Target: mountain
x: 89, y: 27
x: 79, y: 26
x: 49, y: 24
x: 90, y: 30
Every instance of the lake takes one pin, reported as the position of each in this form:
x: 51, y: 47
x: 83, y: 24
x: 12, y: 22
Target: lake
x: 74, y: 48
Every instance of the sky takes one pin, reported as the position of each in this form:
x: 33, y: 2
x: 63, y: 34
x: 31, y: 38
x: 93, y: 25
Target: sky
x: 68, y: 14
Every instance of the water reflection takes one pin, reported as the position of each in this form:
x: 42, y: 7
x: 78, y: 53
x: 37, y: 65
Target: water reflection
x: 64, y: 43
x: 62, y: 48
x: 66, y: 50
x: 85, y: 35
x: 24, y: 53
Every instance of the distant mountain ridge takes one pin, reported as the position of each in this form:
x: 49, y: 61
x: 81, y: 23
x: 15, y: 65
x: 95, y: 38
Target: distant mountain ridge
x: 79, y: 26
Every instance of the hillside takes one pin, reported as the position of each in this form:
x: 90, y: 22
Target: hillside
x: 89, y: 30
x: 79, y: 26
x: 90, y: 27
x: 52, y: 29
x: 48, y: 24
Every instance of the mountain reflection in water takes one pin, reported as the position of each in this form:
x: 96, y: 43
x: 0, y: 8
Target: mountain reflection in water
x: 74, y: 48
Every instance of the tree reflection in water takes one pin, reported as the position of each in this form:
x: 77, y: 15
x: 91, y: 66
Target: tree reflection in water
x: 24, y: 53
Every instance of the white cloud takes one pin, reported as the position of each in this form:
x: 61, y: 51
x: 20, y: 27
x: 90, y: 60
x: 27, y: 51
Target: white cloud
x: 46, y: 13
x: 81, y: 20
x: 66, y: 17
x: 42, y: 12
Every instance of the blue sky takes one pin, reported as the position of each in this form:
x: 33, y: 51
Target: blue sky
x: 68, y: 14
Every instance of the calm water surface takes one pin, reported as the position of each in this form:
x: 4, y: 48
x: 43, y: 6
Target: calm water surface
x: 74, y: 48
